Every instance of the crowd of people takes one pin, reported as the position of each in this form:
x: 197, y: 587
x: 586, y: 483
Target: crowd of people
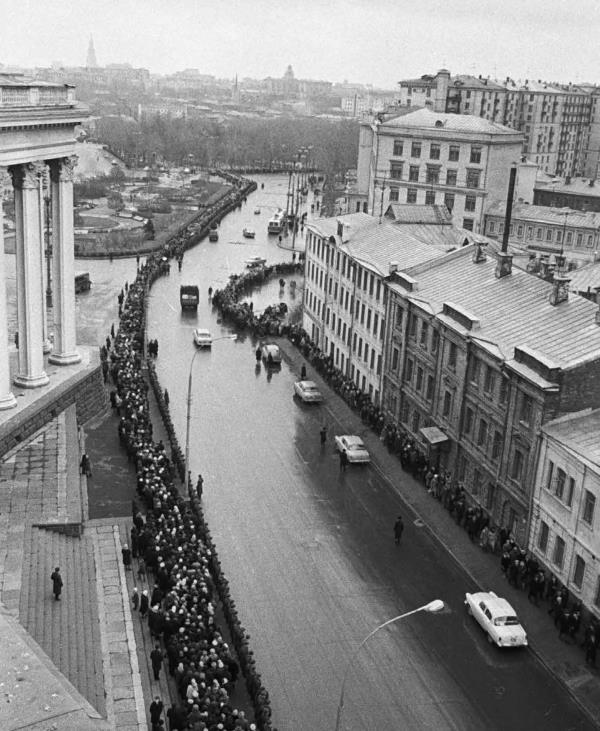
x: 172, y: 542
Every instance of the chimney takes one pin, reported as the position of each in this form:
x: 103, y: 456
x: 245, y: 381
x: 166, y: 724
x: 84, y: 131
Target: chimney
x: 340, y: 228
x: 560, y: 289
x: 504, y: 264
x: 393, y: 267
x: 591, y: 183
x: 479, y: 252
x: 568, y: 180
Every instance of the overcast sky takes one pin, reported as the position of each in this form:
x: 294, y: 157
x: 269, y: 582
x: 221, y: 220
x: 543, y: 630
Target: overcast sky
x: 367, y: 41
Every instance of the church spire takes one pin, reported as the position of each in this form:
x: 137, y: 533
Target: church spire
x: 91, y: 62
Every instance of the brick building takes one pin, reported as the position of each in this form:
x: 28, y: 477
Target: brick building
x: 486, y: 355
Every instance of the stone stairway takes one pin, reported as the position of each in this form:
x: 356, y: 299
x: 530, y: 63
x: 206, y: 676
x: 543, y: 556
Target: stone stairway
x: 67, y: 630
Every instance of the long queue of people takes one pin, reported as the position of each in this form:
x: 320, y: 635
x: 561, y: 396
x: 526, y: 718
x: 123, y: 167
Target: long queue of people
x: 177, y: 549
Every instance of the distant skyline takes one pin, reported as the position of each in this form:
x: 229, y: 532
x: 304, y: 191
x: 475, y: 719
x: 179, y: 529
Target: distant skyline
x: 374, y: 42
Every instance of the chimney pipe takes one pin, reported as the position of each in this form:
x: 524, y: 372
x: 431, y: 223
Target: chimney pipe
x: 509, y: 203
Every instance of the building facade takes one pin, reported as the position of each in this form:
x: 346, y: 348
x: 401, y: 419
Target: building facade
x: 565, y: 519
x: 545, y: 230
x: 429, y: 157
x: 485, y: 354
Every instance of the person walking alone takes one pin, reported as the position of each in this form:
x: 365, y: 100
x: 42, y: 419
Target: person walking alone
x: 85, y: 465
x: 398, y: 529
x: 156, y: 709
x: 323, y: 434
x: 343, y: 460
x: 57, y: 583
x: 156, y: 658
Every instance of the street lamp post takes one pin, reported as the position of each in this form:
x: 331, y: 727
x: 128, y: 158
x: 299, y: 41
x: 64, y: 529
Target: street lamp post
x: 435, y: 606
x: 188, y: 412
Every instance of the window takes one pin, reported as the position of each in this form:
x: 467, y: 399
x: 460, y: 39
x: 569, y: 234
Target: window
x: 516, y: 471
x: 395, y: 358
x: 503, y: 391
x: 543, y: 537
x: 559, y: 488
x: 470, y: 203
x: 549, y: 234
x: 396, y: 171
x: 398, y: 148
x: 375, y: 323
x: 468, y: 420
x: 424, y: 334
x: 413, y: 173
x: 482, y: 433
x: 453, y: 153
x: 473, y: 178
x: 538, y: 234
x: 415, y: 149
x: 579, y: 571
x: 520, y: 231
x: 434, y: 151
x: 475, y: 154
x: 452, y: 355
x: 449, y: 201
x: 409, y: 369
x: 491, y: 227
x: 416, y: 420
x: 411, y: 195
x: 432, y: 175
x: 447, y: 405
x: 579, y: 239
x: 489, y: 380
x: 435, y: 339
x: 429, y: 391
x: 549, y: 474
x: 430, y: 197
x: 570, y: 491
x: 414, y: 321
x: 368, y: 325
x: 496, y: 445
x: 419, y: 384
x: 394, y: 195
x: 559, y: 552
x: 468, y: 224
x: 451, y: 177
x: 474, y: 370
x: 489, y: 500
x: 526, y: 409
x: 589, y: 505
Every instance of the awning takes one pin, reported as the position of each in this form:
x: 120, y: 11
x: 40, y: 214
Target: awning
x: 432, y: 435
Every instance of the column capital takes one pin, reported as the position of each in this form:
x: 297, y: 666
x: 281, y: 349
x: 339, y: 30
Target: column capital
x: 62, y: 169
x: 26, y: 176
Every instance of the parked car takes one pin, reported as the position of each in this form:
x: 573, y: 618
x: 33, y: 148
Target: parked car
x: 308, y: 392
x: 202, y: 338
x: 497, y: 618
x: 255, y: 261
x: 271, y: 354
x: 249, y: 233
x: 354, y: 447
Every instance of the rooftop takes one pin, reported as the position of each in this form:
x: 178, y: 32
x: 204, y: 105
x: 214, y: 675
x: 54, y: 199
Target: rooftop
x: 548, y: 214
x: 586, y: 278
x: 513, y: 311
x: 576, y: 186
x: 425, y: 118
x: 376, y: 244
x: 579, y: 433
x: 418, y: 213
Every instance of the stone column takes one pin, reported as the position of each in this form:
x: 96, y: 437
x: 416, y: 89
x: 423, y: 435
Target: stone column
x: 46, y: 344
x: 63, y: 261
x: 7, y: 399
x: 31, y: 372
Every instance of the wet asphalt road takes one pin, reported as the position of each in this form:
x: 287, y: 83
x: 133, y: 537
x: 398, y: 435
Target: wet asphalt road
x: 309, y: 550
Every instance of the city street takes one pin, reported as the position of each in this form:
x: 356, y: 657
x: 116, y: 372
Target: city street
x: 309, y: 550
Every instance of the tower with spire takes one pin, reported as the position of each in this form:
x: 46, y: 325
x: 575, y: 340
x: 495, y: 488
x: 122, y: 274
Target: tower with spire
x: 91, y: 62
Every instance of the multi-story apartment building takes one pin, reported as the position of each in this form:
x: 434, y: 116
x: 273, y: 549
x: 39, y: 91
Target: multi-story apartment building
x: 477, y: 357
x: 560, y: 122
x: 348, y: 261
x: 565, y: 525
x: 545, y: 230
x: 437, y: 158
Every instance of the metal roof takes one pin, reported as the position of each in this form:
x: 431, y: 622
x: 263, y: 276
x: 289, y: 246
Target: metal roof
x: 513, y: 310
x: 418, y: 213
x: 547, y: 214
x: 579, y: 433
x: 586, y: 278
x: 577, y: 186
x: 425, y: 118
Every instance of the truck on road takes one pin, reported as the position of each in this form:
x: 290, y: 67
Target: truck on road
x: 189, y: 296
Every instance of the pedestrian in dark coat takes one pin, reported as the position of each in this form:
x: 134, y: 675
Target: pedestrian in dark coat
x: 85, y: 465
x: 156, y: 709
x: 57, y: 583
x: 323, y: 434
x: 144, y: 603
x: 343, y: 460
x: 135, y: 599
x: 156, y: 658
x: 126, y: 553
x: 398, y: 528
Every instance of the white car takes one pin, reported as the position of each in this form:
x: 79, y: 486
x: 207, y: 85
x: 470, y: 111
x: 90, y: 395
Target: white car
x: 354, y: 447
x: 202, y: 338
x: 255, y: 261
x: 271, y: 354
x: 497, y: 618
x: 308, y: 392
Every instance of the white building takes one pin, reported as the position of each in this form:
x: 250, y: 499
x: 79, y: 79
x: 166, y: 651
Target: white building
x: 436, y: 158
x: 565, y: 527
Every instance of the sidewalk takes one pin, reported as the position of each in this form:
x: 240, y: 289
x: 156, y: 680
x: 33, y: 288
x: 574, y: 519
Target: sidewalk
x: 563, y: 659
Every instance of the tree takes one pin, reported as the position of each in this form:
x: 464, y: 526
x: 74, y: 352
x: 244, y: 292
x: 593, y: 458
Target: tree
x: 149, y: 230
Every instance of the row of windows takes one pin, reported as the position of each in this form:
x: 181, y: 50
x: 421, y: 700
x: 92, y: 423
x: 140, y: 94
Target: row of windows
x: 487, y: 439
x: 435, y: 149
x: 544, y: 234
x: 558, y: 558
x: 433, y: 175
x: 562, y: 486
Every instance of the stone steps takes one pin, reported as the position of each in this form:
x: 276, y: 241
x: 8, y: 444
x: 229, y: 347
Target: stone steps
x: 67, y: 630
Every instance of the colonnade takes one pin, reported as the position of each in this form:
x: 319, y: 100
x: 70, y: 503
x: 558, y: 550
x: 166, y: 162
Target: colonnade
x: 33, y: 341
